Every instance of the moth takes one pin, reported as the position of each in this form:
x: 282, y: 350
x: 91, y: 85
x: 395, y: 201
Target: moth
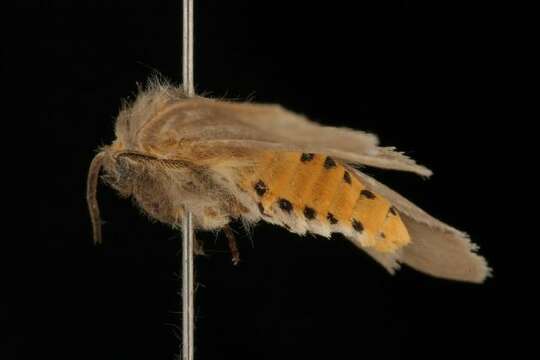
x: 224, y: 160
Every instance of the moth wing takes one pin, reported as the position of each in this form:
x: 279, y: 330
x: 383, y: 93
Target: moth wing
x: 278, y: 125
x: 435, y: 248
x: 201, y: 121
x: 384, y: 158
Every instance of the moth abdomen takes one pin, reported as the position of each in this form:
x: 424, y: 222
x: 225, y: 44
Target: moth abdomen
x: 316, y: 193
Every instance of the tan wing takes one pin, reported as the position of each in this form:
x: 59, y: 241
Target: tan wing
x: 172, y: 122
x: 436, y: 248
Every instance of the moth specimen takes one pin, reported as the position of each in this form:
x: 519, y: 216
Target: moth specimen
x: 226, y: 160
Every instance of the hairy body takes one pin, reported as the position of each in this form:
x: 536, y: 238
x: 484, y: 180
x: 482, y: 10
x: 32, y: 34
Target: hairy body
x: 223, y: 160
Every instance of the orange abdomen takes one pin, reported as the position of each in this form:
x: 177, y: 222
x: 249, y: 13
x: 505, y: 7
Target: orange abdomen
x: 316, y: 192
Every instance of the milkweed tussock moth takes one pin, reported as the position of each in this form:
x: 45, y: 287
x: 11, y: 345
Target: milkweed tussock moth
x: 226, y: 160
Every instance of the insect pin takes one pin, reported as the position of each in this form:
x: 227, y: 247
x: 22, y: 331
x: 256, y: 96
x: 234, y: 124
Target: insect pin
x: 225, y: 160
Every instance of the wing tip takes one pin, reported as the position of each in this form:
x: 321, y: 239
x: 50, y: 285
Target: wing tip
x: 445, y: 253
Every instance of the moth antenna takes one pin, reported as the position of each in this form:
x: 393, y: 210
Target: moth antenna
x: 91, y: 195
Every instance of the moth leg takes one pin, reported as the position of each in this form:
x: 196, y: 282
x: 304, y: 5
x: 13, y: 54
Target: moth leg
x: 232, y: 244
x: 198, y: 248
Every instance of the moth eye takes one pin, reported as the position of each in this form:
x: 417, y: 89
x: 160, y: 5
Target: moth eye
x: 109, y: 179
x: 123, y: 167
x: 121, y: 184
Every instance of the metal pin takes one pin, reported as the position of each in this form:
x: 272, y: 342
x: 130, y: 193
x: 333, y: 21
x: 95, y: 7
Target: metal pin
x: 188, y: 301
x: 188, y: 288
x: 187, y: 52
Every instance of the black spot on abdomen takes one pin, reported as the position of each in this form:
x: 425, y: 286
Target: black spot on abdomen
x: 285, y: 205
x: 260, y: 188
x: 331, y: 218
x: 307, y: 157
x: 309, y: 213
x: 347, y: 177
x: 357, y: 225
x: 367, y: 194
x: 329, y: 163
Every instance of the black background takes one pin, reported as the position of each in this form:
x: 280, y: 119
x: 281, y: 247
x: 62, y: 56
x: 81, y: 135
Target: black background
x: 418, y: 74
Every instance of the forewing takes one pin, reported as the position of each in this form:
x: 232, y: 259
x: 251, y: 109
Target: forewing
x: 271, y: 126
x: 181, y: 125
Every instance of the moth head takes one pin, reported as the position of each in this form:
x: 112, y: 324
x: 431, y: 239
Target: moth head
x: 120, y: 172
